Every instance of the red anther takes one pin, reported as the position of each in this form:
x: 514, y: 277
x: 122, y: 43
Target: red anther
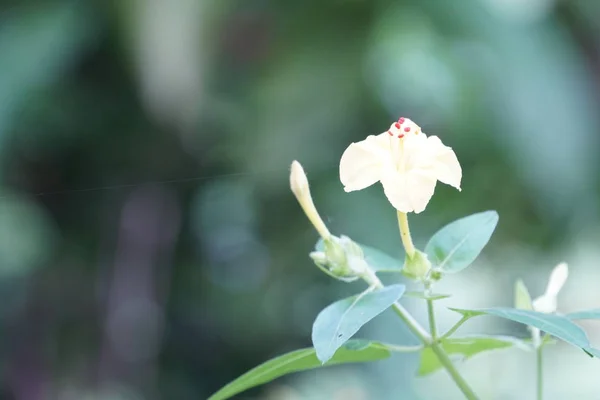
x: 401, y: 120
x: 397, y: 125
x: 390, y: 133
x: 407, y: 129
x: 400, y: 136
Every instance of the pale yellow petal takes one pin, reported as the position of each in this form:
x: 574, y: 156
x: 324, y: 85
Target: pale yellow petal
x: 362, y: 162
x: 446, y: 165
x: 408, y: 192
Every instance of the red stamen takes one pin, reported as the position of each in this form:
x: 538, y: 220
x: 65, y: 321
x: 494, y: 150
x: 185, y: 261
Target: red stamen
x: 400, y: 136
x: 397, y: 125
x: 390, y: 133
x: 407, y: 129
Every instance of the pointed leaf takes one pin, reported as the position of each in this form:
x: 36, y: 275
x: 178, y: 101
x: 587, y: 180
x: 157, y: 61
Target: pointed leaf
x: 354, y: 351
x: 522, y: 297
x: 377, y: 260
x: 465, y: 347
x: 588, y: 314
x: 455, y: 246
x: 425, y: 296
x: 592, y: 352
x: 339, y: 321
x: 555, y: 325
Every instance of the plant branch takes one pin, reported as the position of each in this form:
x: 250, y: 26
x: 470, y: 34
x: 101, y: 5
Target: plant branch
x: 372, y: 280
x: 455, y: 327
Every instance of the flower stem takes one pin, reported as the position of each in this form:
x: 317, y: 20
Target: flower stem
x: 539, y: 373
x: 431, y: 314
x: 405, y: 234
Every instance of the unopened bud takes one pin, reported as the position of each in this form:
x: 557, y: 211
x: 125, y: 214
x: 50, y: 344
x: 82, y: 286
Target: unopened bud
x: 301, y: 189
x: 341, y: 258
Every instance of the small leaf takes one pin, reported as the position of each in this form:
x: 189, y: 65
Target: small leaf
x: 522, y: 297
x: 377, y: 260
x: 466, y: 347
x: 354, y: 351
x: 339, y: 321
x: 588, y: 314
x: 455, y: 246
x: 425, y: 296
x: 555, y: 325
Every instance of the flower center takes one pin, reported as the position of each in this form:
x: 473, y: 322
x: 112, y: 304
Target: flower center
x: 403, y: 127
x: 399, y: 130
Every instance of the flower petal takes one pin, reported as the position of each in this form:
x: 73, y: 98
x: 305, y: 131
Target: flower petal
x: 558, y: 277
x: 446, y: 165
x: 410, y: 191
x: 361, y: 164
x: 545, y: 304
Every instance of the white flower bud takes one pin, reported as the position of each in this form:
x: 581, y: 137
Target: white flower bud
x: 301, y: 189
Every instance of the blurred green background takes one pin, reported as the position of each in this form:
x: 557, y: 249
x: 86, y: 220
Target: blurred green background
x: 150, y: 247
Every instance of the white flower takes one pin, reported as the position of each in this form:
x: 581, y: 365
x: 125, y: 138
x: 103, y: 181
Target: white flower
x: 406, y: 162
x: 547, y: 303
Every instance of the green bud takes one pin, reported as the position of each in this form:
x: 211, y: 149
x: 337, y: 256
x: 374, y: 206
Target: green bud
x: 435, y: 275
x: 336, y: 256
x: 342, y: 259
x: 417, y: 267
x: 351, y: 247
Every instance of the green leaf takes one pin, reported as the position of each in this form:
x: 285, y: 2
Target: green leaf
x: 588, y: 314
x: 354, y: 351
x: 465, y: 347
x: 425, y: 296
x: 339, y: 321
x: 522, y: 297
x: 455, y: 246
x: 555, y: 325
x: 377, y: 260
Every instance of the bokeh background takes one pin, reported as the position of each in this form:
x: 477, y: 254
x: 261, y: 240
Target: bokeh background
x: 150, y: 247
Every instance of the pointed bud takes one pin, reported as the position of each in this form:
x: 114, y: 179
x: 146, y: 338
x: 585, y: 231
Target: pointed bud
x: 301, y: 189
x: 522, y: 297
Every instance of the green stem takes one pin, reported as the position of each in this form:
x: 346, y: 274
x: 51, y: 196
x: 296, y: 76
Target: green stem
x: 540, y: 377
x: 458, y: 379
x: 431, y: 314
x: 455, y: 327
x: 407, y: 242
